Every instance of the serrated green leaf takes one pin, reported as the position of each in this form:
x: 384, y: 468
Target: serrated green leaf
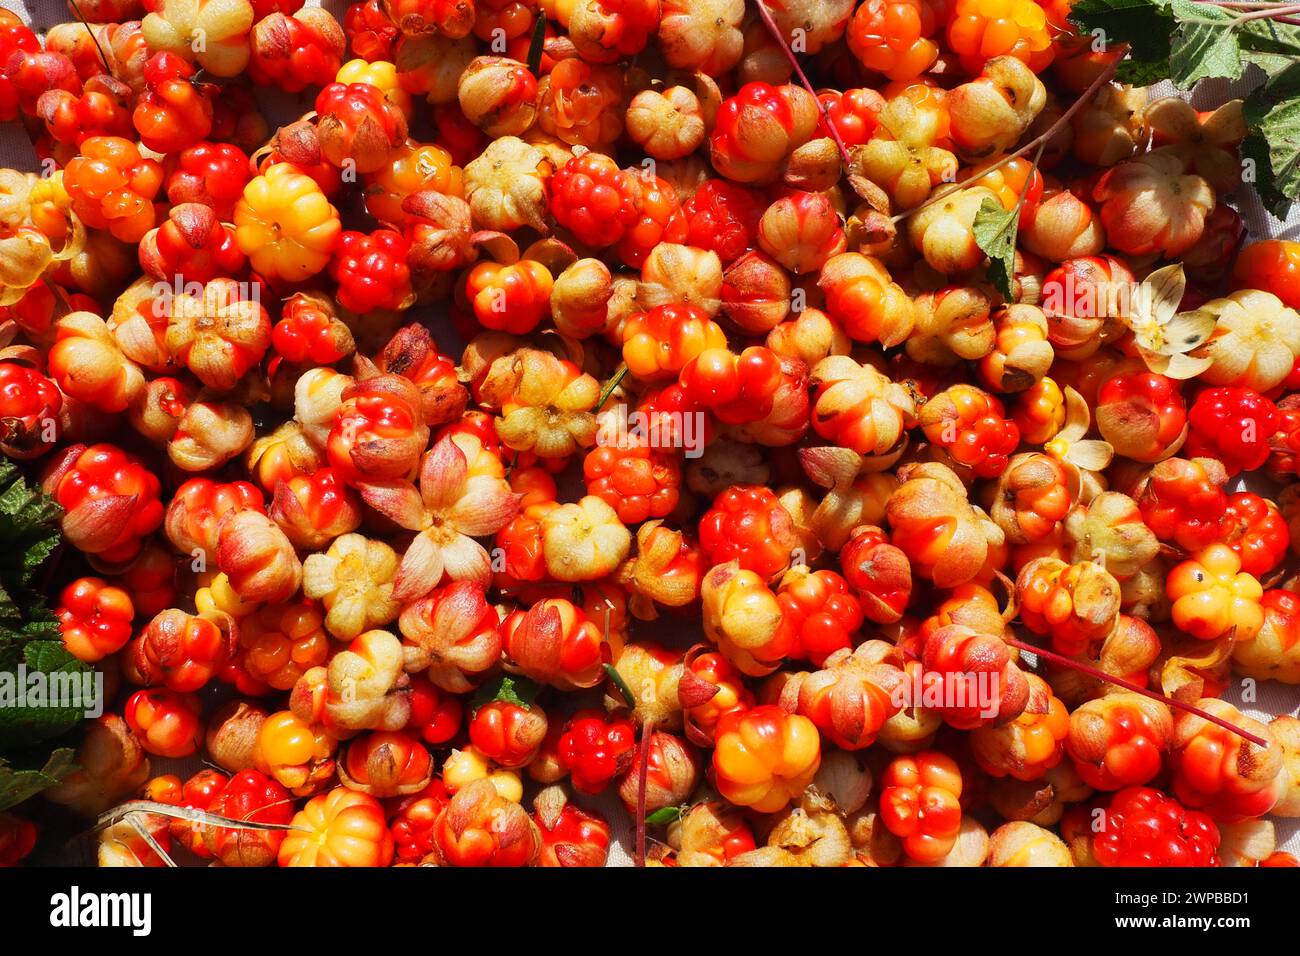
x: 664, y: 816
x: 24, y: 616
x: 1206, y: 44
x: 1183, y: 40
x: 1147, y: 26
x: 19, y: 785
x: 1270, y: 37
x: 1142, y: 72
x: 43, y: 693
x: 24, y: 722
x: 1273, y: 143
x: 510, y: 688
x: 29, y: 531
x: 1282, y: 76
x: 995, y: 234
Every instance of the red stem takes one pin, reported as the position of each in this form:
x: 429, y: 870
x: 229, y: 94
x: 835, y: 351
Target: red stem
x: 60, y: 293
x: 647, y: 732
x: 773, y: 29
x: 1240, y: 5
x: 1041, y: 140
x: 93, y: 39
x: 1129, y: 685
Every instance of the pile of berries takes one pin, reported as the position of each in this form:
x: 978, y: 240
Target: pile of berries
x: 509, y: 431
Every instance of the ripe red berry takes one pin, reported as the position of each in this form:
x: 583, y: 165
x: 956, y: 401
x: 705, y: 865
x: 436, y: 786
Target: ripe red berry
x: 306, y: 331
x: 722, y: 216
x: 1232, y: 424
x: 1255, y: 529
x: 30, y: 73
x: 748, y: 523
x: 175, y: 110
x: 971, y: 426
x: 15, y: 37
x: 593, y: 199
x: 210, y: 173
x: 371, y: 34
x: 1183, y: 503
x: 295, y: 52
x: 371, y: 270
x: 595, y: 749
x: 658, y: 218
x: 736, y: 388
x: 102, y: 109
x: 1144, y: 827
x: 853, y: 113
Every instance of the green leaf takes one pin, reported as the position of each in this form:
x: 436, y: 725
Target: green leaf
x: 1142, y: 72
x: 29, y: 527
x: 59, y: 680
x: 1205, y: 44
x: 1147, y: 26
x: 29, y: 532
x: 1273, y: 117
x: 41, y: 684
x: 1269, y: 37
x: 512, y: 689
x: 995, y: 234
x: 535, y: 47
x: 664, y: 816
x: 617, y: 680
x: 25, y: 617
x: 19, y: 785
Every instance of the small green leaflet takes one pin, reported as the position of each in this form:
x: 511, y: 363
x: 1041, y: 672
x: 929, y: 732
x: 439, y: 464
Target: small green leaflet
x: 995, y: 234
x: 664, y: 816
x: 617, y: 679
x: 519, y: 691
x: 18, y: 785
x: 535, y: 47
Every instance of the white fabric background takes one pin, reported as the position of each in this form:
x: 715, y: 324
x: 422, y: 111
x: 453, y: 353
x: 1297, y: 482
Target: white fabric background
x: 1274, y: 698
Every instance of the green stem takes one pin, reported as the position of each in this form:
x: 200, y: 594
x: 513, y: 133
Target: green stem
x: 612, y: 384
x: 617, y: 680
